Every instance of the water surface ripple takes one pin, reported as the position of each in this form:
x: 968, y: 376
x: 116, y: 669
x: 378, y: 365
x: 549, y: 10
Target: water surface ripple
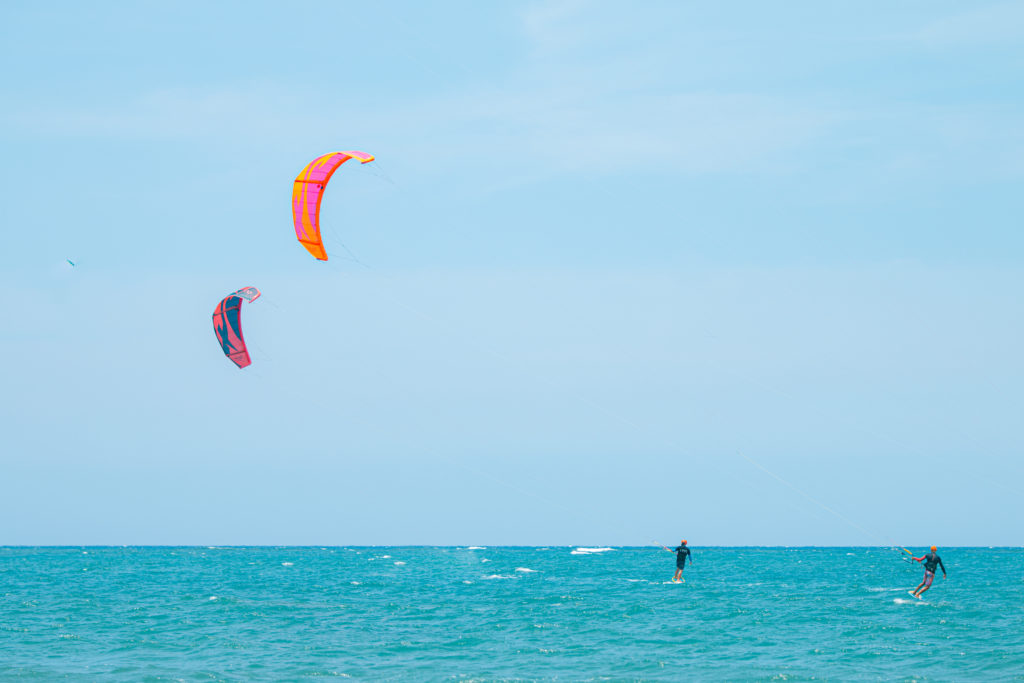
x: 422, y: 613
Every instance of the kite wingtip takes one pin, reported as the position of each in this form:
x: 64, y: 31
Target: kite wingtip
x: 361, y: 157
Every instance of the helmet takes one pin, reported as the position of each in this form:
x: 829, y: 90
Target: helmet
x: 934, y: 549
x: 683, y: 541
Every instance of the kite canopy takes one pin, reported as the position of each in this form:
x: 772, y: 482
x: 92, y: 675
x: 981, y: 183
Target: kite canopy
x: 227, y: 325
x: 307, y: 192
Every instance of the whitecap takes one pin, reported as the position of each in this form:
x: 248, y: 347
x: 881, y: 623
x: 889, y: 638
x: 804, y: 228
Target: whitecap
x: 500, y: 576
x: 903, y: 601
x: 525, y: 570
x: 589, y: 551
x: 287, y: 564
x: 356, y: 583
x: 476, y: 547
x: 213, y: 597
x: 485, y: 560
x: 399, y: 562
x: 385, y: 557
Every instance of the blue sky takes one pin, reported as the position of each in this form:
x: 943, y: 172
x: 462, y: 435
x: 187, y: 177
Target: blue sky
x: 606, y: 252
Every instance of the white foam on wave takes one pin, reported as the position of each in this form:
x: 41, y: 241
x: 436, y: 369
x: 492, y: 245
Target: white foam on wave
x: 476, y: 547
x: 213, y: 597
x: 287, y: 564
x: 904, y: 601
x: 385, y: 557
x: 525, y: 570
x: 485, y: 560
x: 356, y: 583
x: 589, y: 551
x: 399, y: 562
x: 500, y: 576
x: 879, y: 589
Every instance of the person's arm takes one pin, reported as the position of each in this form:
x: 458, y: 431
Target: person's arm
x: 916, y: 559
x: 943, y: 567
x: 689, y: 555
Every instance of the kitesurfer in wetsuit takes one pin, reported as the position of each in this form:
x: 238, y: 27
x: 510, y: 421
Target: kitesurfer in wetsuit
x: 682, y: 552
x: 931, y: 560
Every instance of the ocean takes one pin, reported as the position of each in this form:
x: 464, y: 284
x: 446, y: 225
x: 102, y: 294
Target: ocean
x: 506, y: 613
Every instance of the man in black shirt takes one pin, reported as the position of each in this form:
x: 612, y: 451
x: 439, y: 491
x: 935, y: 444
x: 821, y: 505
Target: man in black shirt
x: 931, y: 561
x: 682, y: 552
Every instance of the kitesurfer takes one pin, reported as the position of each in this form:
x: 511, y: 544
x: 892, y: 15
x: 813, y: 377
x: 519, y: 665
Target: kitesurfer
x: 682, y: 552
x: 931, y: 560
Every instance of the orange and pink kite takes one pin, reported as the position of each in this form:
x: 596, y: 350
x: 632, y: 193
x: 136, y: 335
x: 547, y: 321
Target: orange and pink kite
x: 307, y: 192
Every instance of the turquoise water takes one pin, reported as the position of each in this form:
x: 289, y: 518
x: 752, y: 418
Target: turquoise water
x: 506, y: 613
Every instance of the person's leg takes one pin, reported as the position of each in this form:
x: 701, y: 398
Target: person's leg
x: 926, y: 584
x: 679, y: 574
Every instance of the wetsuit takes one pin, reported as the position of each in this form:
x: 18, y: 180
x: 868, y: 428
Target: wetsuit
x: 931, y: 561
x: 682, y: 552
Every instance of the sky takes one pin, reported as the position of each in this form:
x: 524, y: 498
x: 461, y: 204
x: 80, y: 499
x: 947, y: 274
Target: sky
x: 743, y: 273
